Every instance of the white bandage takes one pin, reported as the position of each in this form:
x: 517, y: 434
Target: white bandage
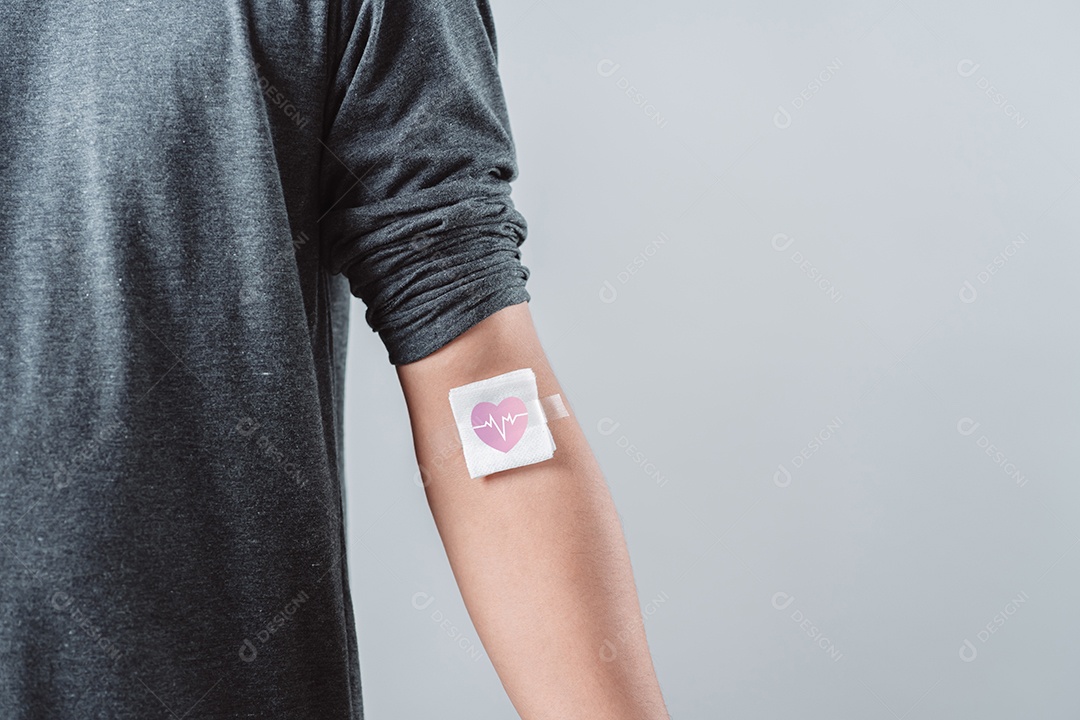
x: 502, y: 422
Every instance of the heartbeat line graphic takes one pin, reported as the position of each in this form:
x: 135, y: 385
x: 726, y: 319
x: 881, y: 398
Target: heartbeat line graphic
x: 500, y: 425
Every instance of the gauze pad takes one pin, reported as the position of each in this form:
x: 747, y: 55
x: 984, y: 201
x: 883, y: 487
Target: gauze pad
x: 501, y: 423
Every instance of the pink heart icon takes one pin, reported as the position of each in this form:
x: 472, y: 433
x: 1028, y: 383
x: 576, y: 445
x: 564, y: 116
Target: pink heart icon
x: 502, y: 425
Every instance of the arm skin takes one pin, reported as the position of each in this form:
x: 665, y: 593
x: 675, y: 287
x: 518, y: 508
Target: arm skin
x: 537, y: 551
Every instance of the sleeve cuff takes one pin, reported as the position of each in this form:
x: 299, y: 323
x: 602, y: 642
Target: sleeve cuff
x: 479, y: 301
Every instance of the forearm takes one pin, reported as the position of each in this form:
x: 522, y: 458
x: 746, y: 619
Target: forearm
x: 537, y: 551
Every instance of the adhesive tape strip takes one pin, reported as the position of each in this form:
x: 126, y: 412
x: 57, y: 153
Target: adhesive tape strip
x: 553, y: 407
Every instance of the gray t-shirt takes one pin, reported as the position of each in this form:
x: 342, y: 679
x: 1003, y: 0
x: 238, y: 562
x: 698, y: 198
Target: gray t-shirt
x: 190, y: 194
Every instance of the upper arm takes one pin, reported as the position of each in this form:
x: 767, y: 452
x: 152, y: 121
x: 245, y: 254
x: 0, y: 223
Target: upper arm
x: 494, y: 506
x: 505, y: 341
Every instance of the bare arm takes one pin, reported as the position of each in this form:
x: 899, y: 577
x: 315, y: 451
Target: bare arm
x: 537, y: 551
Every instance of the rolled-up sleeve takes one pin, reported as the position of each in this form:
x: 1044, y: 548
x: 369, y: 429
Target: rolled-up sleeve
x: 416, y: 170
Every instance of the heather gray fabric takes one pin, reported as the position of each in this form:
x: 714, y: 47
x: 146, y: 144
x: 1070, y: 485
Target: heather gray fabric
x: 189, y: 193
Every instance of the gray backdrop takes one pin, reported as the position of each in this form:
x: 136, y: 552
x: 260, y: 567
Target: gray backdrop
x: 806, y: 273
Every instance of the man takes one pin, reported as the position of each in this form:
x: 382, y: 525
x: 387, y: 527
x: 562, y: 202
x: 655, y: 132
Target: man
x: 190, y: 193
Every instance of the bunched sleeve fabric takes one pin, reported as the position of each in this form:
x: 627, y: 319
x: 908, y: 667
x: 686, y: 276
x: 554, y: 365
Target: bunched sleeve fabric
x: 416, y: 171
